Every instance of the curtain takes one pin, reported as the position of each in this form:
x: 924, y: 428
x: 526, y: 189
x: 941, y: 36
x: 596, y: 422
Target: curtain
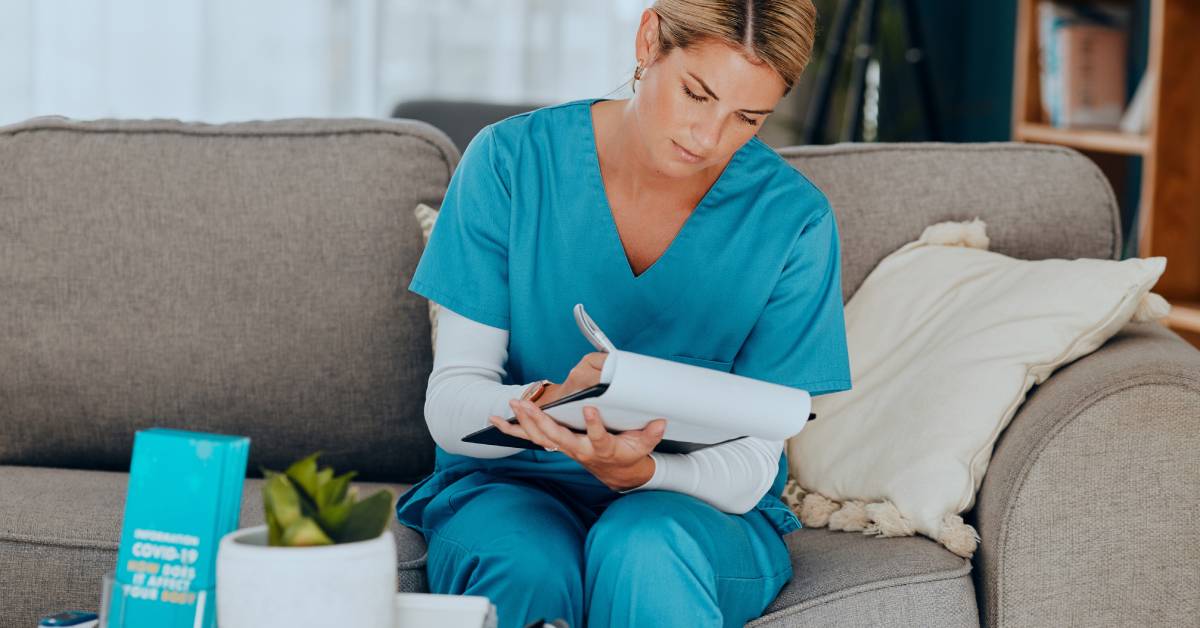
x: 222, y: 60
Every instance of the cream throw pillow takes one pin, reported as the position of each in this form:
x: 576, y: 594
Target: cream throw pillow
x: 945, y: 340
x: 426, y: 217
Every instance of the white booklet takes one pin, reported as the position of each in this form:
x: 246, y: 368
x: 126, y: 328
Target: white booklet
x: 702, y: 406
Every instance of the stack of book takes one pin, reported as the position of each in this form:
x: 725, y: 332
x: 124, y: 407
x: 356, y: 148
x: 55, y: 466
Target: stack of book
x: 1083, y: 49
x: 185, y: 493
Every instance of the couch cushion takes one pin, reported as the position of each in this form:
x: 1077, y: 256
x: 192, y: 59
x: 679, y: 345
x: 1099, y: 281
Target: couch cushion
x: 244, y: 278
x: 71, y: 520
x: 850, y: 580
x: 59, y: 531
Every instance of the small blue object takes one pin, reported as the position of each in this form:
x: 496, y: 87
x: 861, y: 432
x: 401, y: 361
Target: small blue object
x: 185, y: 493
x: 79, y: 619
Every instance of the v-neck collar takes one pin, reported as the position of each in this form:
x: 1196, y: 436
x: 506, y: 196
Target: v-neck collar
x: 612, y: 234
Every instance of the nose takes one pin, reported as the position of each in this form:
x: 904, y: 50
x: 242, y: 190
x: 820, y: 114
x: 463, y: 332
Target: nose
x: 706, y: 133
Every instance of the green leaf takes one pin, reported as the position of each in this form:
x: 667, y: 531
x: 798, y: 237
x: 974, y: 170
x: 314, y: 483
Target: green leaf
x: 323, y: 478
x: 304, y: 472
x: 368, y: 518
x: 308, y: 507
x: 281, y: 500
x: 335, y: 504
x: 334, y: 491
x: 305, y: 532
x: 332, y: 518
x: 274, y: 531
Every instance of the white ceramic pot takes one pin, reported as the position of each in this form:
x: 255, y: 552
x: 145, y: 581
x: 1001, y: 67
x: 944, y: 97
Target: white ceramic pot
x: 348, y: 584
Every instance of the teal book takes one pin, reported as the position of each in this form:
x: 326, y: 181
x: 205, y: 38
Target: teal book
x: 185, y: 493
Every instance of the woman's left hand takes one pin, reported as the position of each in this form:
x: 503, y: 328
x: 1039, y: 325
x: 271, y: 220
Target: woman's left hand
x: 621, y: 461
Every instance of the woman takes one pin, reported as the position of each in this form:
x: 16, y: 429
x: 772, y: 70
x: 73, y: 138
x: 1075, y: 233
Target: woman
x: 686, y: 238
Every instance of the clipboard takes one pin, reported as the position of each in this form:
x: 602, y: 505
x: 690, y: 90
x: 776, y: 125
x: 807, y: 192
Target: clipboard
x: 491, y: 435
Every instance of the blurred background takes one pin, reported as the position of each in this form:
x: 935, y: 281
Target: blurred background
x: 882, y: 70
x: 223, y: 60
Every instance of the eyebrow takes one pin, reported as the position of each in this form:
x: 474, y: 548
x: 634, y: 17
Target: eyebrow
x: 714, y: 96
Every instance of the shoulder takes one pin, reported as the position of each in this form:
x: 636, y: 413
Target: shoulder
x: 508, y: 141
x: 783, y: 192
x: 541, y: 122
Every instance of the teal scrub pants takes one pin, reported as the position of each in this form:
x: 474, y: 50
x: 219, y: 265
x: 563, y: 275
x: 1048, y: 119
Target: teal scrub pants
x: 542, y: 548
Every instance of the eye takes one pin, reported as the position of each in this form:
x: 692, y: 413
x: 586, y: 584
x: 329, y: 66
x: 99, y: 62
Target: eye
x: 691, y: 95
x: 750, y: 121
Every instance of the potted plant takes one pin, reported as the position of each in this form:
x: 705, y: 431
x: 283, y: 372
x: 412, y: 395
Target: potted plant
x: 324, y: 558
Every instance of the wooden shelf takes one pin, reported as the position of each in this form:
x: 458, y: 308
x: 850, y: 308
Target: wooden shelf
x: 1083, y: 139
x: 1185, y: 315
x: 1168, y: 212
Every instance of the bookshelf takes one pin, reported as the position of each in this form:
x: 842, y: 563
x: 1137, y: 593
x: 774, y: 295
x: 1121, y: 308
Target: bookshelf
x: 1168, y: 212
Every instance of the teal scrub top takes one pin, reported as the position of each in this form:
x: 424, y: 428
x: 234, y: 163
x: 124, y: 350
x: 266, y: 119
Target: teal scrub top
x: 751, y: 284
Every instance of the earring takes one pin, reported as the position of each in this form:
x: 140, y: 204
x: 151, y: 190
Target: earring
x: 637, y: 74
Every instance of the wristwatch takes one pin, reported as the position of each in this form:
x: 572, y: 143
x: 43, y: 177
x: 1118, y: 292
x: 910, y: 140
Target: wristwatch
x: 535, y: 390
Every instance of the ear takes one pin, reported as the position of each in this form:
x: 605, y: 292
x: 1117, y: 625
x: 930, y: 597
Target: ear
x: 646, y: 45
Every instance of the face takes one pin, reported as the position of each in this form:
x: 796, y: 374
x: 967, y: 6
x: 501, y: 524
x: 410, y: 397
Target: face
x: 696, y: 107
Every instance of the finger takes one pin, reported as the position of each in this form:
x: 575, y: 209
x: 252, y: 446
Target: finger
x: 562, y: 437
x: 601, y: 440
x: 650, y: 435
x: 595, y: 359
x: 527, y: 422
x: 512, y: 429
x: 509, y: 428
x: 654, y: 432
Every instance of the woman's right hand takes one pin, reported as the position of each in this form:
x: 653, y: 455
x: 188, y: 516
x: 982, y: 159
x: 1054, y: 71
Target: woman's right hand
x: 583, y: 375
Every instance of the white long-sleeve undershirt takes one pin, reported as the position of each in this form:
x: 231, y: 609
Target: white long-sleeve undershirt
x: 465, y: 388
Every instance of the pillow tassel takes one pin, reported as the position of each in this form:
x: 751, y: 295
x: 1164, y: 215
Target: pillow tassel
x: 881, y: 519
x: 886, y: 520
x: 958, y: 537
x: 816, y: 509
x: 852, y: 517
x: 1152, y: 307
x: 793, y: 495
x: 971, y: 234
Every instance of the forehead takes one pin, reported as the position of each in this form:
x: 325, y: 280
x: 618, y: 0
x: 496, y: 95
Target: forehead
x: 730, y: 73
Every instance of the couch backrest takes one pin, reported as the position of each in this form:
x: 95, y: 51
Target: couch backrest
x: 251, y: 278
x: 1038, y: 201
x: 246, y: 278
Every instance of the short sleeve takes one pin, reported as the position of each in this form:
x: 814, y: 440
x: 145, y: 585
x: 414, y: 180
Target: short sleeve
x: 799, y: 339
x: 465, y: 265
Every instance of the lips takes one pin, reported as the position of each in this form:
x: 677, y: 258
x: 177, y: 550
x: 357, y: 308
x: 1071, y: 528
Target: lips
x: 685, y: 154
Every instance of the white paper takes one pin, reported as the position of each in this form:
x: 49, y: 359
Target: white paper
x: 700, y: 405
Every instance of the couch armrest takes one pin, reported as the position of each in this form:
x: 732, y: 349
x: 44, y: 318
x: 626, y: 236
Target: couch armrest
x: 1089, y: 511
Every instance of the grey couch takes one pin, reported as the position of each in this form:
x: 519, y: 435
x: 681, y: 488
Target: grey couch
x: 251, y: 279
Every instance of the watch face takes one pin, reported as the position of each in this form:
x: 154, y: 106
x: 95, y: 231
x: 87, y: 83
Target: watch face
x: 536, y: 391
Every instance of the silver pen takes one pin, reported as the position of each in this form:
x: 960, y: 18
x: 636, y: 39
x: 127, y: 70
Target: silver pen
x: 591, y: 330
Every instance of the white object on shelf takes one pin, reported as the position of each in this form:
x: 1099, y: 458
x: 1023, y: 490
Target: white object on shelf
x: 1137, y: 116
x: 432, y: 610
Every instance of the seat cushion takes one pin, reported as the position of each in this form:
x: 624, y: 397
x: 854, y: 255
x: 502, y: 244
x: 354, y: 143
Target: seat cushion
x: 849, y: 580
x: 59, y: 530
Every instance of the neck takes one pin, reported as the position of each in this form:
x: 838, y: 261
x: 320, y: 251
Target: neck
x: 629, y: 164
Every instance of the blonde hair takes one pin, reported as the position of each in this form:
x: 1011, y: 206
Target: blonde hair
x: 779, y: 33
